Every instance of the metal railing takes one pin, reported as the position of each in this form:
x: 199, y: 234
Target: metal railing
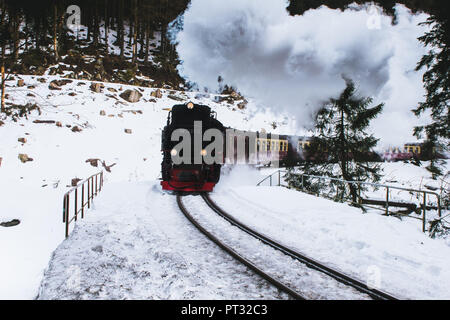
x: 423, y: 206
x: 89, y: 189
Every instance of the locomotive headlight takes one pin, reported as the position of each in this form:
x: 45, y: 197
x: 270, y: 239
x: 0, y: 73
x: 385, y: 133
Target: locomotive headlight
x: 173, y: 152
x: 203, y: 152
x: 190, y: 105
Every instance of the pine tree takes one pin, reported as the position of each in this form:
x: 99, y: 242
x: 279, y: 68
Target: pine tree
x: 341, y: 147
x: 436, y: 82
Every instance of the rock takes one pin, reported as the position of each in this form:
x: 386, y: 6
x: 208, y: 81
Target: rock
x: 58, y: 124
x: 128, y: 131
x: 53, y: 86
x: 1, y: 123
x: 42, y: 80
x: 24, y: 157
x: 72, y: 94
x: 75, y: 181
x: 30, y: 95
x: 131, y: 95
x: 44, y: 121
x: 12, y: 223
x: 31, y: 87
x: 1, y: 161
x: 61, y: 82
x: 97, y: 87
x: 20, y: 83
x: 76, y: 129
x: 22, y: 140
x: 102, y: 112
x: 242, y: 105
x: 93, y: 162
x: 157, y: 94
x: 174, y: 97
x: 112, y: 90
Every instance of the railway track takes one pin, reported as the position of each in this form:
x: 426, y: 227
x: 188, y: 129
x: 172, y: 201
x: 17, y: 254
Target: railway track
x: 291, y: 292
x: 308, y: 262
x: 311, y: 263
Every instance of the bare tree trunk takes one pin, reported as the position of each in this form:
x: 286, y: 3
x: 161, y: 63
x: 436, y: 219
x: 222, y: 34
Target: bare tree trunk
x: 120, y: 32
x: 135, y: 32
x: 96, y: 27
x: 106, y: 28
x: 55, y: 33
x: 2, y: 109
x: 16, y: 37
x: 147, y: 40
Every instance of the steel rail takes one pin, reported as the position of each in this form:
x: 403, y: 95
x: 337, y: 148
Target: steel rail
x: 313, y: 264
x: 238, y: 257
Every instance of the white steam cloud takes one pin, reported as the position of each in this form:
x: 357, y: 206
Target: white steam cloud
x: 294, y: 63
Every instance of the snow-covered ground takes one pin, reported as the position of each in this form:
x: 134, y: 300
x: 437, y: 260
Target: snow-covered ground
x: 135, y: 230
x: 136, y: 244
x: 409, y: 263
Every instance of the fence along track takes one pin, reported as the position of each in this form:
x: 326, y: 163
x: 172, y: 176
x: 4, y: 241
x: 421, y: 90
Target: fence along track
x: 339, y: 276
x: 238, y: 257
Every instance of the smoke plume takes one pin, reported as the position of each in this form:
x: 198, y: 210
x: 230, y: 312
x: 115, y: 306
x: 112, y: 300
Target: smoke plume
x: 295, y: 63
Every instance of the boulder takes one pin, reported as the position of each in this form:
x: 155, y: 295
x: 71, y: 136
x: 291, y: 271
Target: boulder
x: 53, y: 86
x: 58, y: 124
x: 102, y: 112
x: 128, y: 131
x: 24, y: 157
x: 22, y: 140
x: 76, y: 129
x: 20, y: 83
x: 97, y: 87
x: 157, y: 94
x: 131, y: 95
x: 93, y: 162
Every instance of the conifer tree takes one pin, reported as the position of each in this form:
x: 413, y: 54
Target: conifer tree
x: 341, y: 147
x: 436, y: 81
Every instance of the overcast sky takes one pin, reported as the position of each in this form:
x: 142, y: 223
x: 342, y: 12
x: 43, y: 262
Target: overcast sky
x: 295, y: 63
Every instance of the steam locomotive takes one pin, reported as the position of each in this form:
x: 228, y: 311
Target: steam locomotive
x: 189, y: 174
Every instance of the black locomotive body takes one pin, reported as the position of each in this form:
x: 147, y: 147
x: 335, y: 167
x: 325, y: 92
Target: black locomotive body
x: 191, y: 173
